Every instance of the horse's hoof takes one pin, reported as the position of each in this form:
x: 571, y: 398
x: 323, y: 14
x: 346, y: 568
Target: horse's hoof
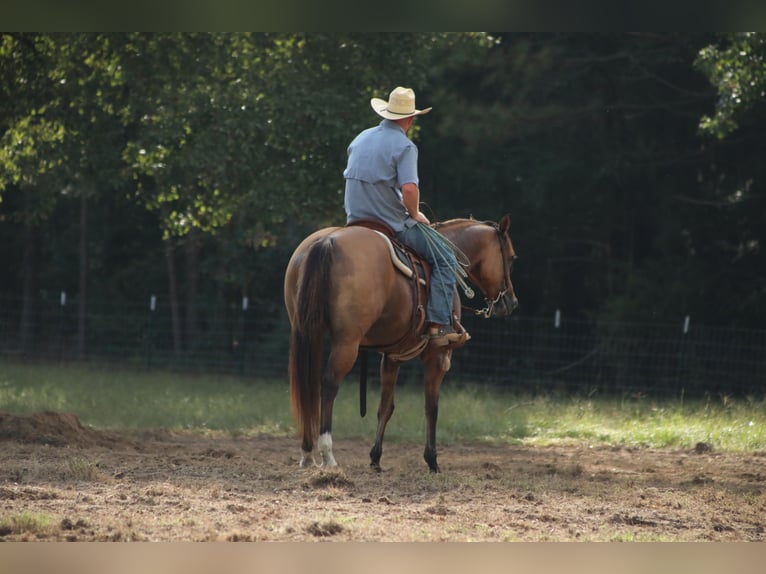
x: 307, y: 460
x: 376, y: 467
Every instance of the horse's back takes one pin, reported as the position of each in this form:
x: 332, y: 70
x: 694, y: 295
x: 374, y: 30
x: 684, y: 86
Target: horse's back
x: 356, y: 251
x: 364, y: 284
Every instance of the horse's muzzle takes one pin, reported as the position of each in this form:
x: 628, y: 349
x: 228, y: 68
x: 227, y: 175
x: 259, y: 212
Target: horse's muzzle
x: 505, y: 306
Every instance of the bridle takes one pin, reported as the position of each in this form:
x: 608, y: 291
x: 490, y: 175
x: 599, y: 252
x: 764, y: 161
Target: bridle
x: 487, y: 311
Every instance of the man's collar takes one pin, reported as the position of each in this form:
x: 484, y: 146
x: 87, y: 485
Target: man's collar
x: 391, y: 124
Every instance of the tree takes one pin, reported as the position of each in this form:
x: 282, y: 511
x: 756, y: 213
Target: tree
x: 211, y: 155
x: 30, y: 137
x: 208, y: 132
x: 736, y: 67
x: 734, y: 196
x: 585, y: 139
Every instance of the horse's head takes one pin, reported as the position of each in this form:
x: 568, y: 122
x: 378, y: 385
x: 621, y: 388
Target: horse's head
x: 489, y: 249
x: 493, y: 270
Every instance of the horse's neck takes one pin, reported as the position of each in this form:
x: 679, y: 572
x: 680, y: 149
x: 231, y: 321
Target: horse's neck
x: 454, y: 227
x: 457, y: 231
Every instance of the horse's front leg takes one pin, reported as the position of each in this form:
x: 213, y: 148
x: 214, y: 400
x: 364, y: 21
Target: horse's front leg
x: 434, y: 372
x: 389, y: 372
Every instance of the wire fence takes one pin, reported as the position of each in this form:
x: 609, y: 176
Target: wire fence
x: 523, y: 354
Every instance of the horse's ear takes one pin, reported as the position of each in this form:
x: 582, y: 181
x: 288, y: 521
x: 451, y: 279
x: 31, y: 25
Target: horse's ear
x: 505, y: 223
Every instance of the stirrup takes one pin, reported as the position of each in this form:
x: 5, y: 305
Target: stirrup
x: 445, y: 335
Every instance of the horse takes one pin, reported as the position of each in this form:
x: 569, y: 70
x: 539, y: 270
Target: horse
x: 340, y: 281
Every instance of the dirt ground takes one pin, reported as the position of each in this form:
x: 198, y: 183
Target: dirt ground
x: 62, y: 481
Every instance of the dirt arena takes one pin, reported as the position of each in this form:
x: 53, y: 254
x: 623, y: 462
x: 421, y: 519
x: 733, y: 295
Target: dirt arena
x: 62, y: 481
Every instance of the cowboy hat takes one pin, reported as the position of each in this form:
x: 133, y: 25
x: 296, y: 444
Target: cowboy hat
x: 400, y: 105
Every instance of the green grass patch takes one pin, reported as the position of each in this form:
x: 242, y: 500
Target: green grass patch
x: 25, y: 522
x: 118, y: 399
x: 721, y: 424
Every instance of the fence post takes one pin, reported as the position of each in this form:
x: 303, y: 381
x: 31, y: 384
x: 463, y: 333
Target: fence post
x: 62, y: 305
x: 682, y: 358
x: 242, y: 333
x: 557, y: 353
x: 150, y: 330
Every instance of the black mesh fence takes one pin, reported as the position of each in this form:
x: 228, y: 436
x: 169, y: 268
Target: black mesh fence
x: 551, y: 354
x: 520, y: 353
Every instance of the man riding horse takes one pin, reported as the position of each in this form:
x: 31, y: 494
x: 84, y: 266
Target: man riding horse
x: 341, y: 286
x: 382, y: 185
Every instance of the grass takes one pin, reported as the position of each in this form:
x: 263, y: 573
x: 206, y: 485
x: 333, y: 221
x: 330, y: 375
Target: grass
x: 721, y: 424
x: 80, y: 469
x: 117, y: 399
x: 25, y: 523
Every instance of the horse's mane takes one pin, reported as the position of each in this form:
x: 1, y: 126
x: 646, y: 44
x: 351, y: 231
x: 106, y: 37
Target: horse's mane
x: 453, y: 221
x: 460, y: 222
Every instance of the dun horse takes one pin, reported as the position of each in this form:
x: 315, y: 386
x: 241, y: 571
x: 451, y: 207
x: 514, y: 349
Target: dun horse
x: 341, y: 281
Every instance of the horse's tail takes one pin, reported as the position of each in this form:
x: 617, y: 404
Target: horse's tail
x: 308, y: 328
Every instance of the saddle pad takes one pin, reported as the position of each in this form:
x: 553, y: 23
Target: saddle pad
x: 401, y: 260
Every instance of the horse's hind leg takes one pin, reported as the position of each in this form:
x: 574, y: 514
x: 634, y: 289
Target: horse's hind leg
x: 389, y: 372
x: 339, y: 363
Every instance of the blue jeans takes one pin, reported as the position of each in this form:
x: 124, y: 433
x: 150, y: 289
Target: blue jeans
x: 439, y: 308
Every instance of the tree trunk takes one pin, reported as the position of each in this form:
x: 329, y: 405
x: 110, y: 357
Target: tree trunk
x: 175, y: 314
x: 192, y: 283
x: 28, y: 287
x: 82, y: 303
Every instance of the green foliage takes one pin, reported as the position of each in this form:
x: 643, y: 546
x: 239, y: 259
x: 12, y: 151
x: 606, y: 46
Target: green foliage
x: 218, y: 152
x: 591, y: 142
x: 736, y: 66
x: 21, y: 146
x: 201, y: 123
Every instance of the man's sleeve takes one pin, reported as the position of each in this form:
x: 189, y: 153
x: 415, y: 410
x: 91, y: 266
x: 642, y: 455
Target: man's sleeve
x: 407, y: 166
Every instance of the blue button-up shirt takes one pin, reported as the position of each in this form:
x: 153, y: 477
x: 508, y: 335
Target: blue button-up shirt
x: 380, y: 161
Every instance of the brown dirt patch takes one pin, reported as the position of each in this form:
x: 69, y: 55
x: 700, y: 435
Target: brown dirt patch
x: 51, y: 428
x: 79, y: 483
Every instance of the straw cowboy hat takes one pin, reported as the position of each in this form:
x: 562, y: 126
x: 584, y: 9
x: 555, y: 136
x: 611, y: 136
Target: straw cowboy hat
x: 400, y: 105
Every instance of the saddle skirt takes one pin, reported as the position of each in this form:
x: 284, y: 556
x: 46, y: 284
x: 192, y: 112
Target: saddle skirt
x: 404, y: 259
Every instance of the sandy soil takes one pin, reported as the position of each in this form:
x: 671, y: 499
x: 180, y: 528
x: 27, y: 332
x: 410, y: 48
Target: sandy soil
x: 62, y: 481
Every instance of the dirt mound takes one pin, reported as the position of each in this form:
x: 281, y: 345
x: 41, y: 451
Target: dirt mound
x: 51, y: 428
